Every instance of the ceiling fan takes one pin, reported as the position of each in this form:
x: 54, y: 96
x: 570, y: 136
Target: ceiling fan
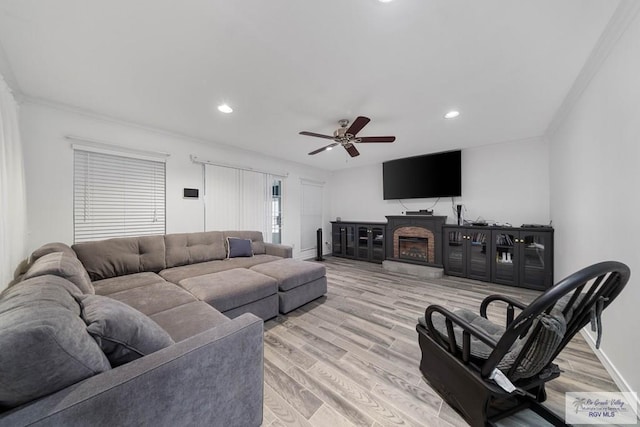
x: 347, y: 136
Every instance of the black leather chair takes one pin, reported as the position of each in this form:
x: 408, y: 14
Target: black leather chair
x: 465, y: 355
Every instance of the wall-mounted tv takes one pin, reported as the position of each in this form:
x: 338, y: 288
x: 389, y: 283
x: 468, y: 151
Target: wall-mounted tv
x: 423, y: 177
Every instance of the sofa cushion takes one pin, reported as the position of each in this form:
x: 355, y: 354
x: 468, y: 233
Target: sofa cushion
x: 231, y: 288
x: 238, y: 247
x: 552, y: 329
x: 291, y: 273
x: 257, y: 242
x: 60, y: 264
x: 51, y: 248
x: 176, y: 274
x: 154, y: 298
x: 117, y: 257
x: 122, y: 332
x: 191, y: 248
x: 45, y: 344
x: 189, y: 319
x: 122, y: 283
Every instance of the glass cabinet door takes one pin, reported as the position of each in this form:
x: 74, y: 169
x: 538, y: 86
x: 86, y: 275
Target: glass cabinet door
x: 454, y: 252
x: 478, y: 266
x: 377, y: 244
x: 350, y: 240
x: 363, y: 242
x: 336, y: 238
x: 505, y: 258
x: 534, y: 260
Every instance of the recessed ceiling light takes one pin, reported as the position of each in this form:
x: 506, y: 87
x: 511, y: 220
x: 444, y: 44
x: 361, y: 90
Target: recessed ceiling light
x: 452, y: 114
x: 329, y: 148
x: 385, y: 1
x: 224, y: 108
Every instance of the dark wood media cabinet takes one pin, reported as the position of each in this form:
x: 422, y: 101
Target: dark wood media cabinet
x: 507, y: 255
x: 359, y: 240
x: 514, y: 256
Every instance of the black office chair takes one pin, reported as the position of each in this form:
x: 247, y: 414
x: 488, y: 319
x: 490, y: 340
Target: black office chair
x: 465, y: 356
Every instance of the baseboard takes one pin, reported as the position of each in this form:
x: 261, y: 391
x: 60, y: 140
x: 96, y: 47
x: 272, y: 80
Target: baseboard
x: 308, y: 256
x: 609, y: 367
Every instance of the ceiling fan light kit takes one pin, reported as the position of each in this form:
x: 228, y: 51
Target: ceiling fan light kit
x: 347, y: 136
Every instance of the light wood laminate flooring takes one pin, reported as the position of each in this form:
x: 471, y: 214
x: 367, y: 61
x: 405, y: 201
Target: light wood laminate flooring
x: 351, y: 358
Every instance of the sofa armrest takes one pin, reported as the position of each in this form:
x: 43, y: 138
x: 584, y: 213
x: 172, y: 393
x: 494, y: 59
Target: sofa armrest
x: 214, y: 378
x: 283, y: 251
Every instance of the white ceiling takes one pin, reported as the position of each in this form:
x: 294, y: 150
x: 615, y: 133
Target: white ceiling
x: 287, y: 66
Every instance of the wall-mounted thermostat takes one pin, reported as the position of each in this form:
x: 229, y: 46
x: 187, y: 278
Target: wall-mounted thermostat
x: 191, y: 193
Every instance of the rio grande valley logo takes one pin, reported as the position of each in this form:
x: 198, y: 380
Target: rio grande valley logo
x: 601, y: 408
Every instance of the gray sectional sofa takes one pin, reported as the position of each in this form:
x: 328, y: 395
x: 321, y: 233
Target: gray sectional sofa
x: 157, y: 330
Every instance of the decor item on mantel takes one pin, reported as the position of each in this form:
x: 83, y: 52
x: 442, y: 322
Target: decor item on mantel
x: 414, y: 245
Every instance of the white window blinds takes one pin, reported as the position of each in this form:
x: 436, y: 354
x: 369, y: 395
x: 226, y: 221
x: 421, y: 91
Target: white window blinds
x: 117, y: 196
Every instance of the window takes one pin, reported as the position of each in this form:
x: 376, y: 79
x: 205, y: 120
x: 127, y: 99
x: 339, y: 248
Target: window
x: 276, y: 211
x: 117, y: 196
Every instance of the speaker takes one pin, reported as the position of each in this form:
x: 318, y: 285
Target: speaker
x: 319, y: 245
x: 460, y: 217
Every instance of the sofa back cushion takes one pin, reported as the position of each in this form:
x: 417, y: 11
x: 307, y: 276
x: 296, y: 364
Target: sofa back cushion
x: 43, y: 250
x: 116, y: 257
x: 257, y: 242
x: 62, y: 265
x: 51, y: 248
x: 191, y: 248
x: 45, y: 344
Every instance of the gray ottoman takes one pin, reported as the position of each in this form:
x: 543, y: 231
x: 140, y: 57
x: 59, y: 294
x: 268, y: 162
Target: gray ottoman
x: 298, y: 281
x: 236, y: 291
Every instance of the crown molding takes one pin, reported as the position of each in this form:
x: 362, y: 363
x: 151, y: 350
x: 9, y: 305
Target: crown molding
x: 55, y: 105
x: 624, y: 14
x: 27, y: 99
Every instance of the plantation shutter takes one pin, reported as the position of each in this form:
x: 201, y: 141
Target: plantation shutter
x: 117, y: 196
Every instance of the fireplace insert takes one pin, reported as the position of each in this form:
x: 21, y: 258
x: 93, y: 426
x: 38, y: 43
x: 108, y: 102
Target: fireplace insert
x: 413, y: 248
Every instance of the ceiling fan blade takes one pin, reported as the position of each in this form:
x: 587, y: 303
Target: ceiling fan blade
x: 351, y: 149
x: 358, y: 124
x: 318, y: 135
x: 326, y: 147
x: 377, y: 139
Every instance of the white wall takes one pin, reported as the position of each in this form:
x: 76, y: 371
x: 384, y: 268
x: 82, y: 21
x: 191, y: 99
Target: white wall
x: 6, y: 71
x: 507, y: 183
x: 49, y: 172
x: 595, y: 177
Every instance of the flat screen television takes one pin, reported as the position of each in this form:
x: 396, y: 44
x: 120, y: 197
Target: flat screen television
x: 423, y: 177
